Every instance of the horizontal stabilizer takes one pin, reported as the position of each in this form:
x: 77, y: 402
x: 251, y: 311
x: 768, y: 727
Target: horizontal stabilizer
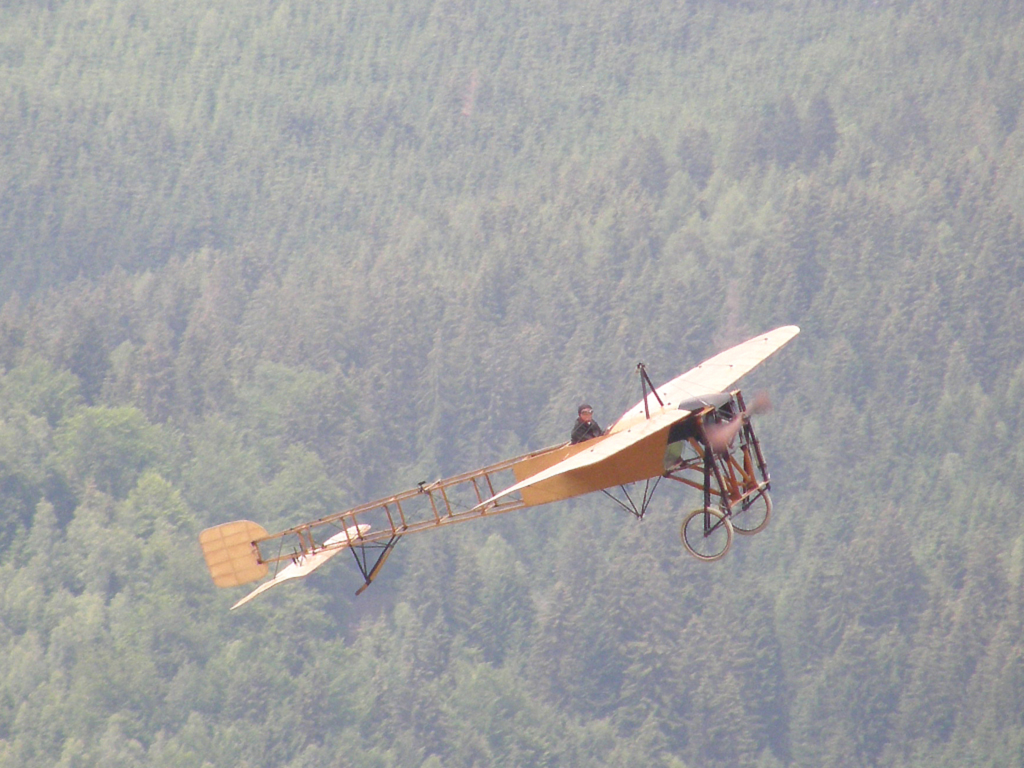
x: 231, y: 553
x: 305, y: 564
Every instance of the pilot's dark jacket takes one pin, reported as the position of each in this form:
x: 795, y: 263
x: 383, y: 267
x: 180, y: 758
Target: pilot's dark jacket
x: 584, y: 431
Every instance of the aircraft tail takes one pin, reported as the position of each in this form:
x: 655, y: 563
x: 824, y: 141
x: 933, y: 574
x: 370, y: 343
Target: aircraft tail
x: 231, y: 553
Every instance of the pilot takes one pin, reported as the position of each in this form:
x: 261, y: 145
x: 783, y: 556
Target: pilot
x: 585, y: 427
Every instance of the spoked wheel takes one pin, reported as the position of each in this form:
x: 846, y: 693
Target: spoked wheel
x: 751, y: 515
x: 707, y: 534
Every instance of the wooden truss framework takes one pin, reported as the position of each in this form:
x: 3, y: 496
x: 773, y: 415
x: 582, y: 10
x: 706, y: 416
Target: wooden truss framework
x: 433, y: 505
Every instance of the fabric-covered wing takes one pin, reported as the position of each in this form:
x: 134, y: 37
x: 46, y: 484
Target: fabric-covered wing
x: 713, y: 375
x: 635, y: 453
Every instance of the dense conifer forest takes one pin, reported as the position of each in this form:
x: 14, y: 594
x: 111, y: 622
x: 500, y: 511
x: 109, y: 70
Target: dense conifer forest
x: 270, y: 259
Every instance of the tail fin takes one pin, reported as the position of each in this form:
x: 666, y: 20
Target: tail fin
x: 231, y: 554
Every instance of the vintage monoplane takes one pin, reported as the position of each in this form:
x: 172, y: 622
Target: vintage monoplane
x: 693, y: 430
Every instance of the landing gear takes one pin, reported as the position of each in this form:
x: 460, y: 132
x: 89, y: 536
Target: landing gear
x: 716, y: 452
x: 720, y: 448
x: 707, y: 534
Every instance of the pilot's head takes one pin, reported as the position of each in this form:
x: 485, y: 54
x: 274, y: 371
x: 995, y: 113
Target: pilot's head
x: 585, y: 412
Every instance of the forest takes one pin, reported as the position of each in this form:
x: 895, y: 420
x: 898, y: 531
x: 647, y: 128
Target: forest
x: 271, y: 259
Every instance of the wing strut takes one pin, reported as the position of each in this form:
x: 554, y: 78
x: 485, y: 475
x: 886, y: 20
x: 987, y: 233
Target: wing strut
x: 362, y: 557
x: 645, y: 382
x: 638, y: 511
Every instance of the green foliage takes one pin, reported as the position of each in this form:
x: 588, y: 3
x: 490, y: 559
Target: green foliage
x: 266, y: 261
x: 107, y: 447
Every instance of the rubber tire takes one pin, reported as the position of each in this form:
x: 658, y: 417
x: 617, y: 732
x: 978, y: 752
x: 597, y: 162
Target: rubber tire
x: 707, y: 547
x: 753, y: 520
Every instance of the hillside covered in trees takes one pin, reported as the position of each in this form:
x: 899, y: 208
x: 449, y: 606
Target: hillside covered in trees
x: 268, y: 260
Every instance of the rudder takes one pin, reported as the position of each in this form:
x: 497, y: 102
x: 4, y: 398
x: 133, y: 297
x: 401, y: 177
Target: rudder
x: 231, y: 554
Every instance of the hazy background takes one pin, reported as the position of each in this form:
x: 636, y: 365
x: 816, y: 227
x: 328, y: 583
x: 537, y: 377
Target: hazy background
x: 268, y: 260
